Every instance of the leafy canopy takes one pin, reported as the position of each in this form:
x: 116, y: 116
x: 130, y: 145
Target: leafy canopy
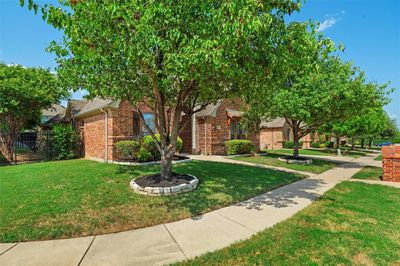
x: 24, y: 93
x: 127, y: 49
x: 318, y: 87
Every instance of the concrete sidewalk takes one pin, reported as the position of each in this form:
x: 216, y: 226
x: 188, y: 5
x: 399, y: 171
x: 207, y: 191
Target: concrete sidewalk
x: 183, y: 239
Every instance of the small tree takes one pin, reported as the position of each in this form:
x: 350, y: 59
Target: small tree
x: 177, y: 57
x: 64, y: 142
x: 24, y: 93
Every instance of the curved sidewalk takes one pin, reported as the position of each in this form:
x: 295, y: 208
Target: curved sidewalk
x: 171, y: 242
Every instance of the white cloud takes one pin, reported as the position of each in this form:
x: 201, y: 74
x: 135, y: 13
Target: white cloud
x: 331, y: 19
x: 327, y: 23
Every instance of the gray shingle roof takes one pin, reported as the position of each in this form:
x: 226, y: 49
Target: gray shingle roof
x: 278, y: 122
x: 54, y: 110
x: 210, y: 110
x: 96, y: 104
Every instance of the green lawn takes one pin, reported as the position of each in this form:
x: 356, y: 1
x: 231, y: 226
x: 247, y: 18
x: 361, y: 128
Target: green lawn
x: 320, y: 152
x: 78, y: 197
x: 379, y: 158
x: 318, y: 166
x: 369, y: 172
x: 352, y: 224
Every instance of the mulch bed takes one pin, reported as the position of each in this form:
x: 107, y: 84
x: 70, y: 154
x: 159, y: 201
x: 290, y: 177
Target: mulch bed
x: 289, y: 157
x: 155, y: 180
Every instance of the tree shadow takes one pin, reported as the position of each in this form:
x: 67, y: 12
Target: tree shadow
x: 223, y: 184
x: 285, y: 196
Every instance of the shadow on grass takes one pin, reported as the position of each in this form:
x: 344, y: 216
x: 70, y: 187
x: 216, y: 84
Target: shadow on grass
x: 220, y: 184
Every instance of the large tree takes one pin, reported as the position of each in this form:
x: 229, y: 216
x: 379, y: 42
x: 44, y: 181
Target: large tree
x: 24, y: 93
x: 175, y: 56
x: 318, y: 87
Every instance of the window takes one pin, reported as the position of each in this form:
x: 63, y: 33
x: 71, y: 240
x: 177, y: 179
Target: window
x: 237, y: 132
x: 150, y: 122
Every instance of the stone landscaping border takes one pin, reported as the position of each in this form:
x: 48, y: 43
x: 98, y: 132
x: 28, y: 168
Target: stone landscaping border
x: 159, y: 191
x: 245, y: 155
x: 293, y: 161
x: 150, y: 163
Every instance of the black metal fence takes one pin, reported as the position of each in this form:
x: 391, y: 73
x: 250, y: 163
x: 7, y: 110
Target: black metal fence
x: 30, y: 146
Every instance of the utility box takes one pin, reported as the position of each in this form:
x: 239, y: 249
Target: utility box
x: 391, y: 163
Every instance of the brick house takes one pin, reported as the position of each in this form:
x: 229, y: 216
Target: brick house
x: 102, y: 123
x: 273, y: 133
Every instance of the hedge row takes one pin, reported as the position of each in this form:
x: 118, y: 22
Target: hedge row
x: 145, y: 150
x: 239, y: 146
x: 290, y: 144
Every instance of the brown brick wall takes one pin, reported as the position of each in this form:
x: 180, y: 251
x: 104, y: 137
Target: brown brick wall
x: 203, y: 135
x: 271, y: 138
x: 391, y: 163
x: 211, y: 133
x: 94, y: 136
x: 120, y: 127
x: 186, y: 137
x: 212, y: 140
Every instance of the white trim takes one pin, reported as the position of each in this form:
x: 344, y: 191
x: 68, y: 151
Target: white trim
x: 194, y: 129
x: 105, y: 134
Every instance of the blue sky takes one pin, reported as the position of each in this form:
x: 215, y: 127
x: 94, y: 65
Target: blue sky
x: 370, y: 31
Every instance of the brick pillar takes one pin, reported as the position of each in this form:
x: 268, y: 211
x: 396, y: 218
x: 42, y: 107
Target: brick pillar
x: 391, y: 163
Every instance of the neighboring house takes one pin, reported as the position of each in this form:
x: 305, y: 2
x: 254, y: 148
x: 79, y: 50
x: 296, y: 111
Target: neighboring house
x: 53, y: 115
x: 273, y: 133
x: 102, y: 123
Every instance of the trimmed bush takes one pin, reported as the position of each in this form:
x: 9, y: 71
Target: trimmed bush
x: 128, y: 148
x: 315, y: 144
x: 239, y: 146
x: 149, y: 145
x: 290, y: 144
x: 144, y: 155
x: 328, y: 144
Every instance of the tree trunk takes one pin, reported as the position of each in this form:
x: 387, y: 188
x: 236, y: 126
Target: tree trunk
x: 362, y: 143
x: 337, y: 141
x: 8, y: 147
x: 353, y: 143
x: 166, y: 164
x: 370, y: 143
x: 295, y: 142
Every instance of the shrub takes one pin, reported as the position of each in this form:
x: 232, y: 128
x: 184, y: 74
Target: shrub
x: 238, y: 146
x: 315, y: 144
x: 128, y: 148
x: 149, y: 145
x: 290, y: 144
x: 65, y: 142
x: 328, y: 144
x: 144, y: 155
